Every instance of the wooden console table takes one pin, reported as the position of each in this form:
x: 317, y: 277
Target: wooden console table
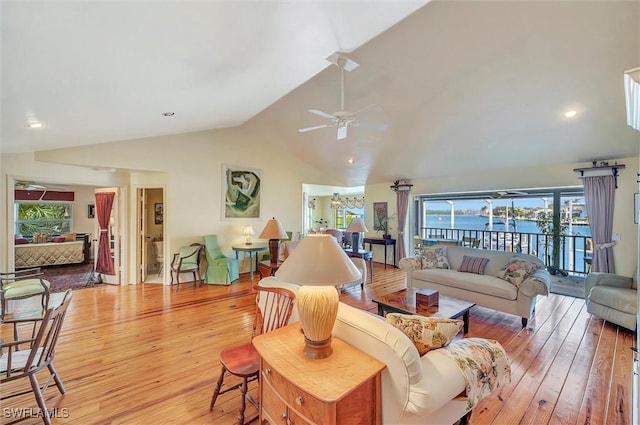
x: 344, y: 388
x: 385, y: 242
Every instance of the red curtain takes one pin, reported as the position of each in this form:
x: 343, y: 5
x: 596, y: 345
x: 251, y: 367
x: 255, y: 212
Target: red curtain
x: 104, y: 204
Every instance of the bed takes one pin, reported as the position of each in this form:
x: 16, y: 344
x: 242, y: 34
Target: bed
x: 51, y: 253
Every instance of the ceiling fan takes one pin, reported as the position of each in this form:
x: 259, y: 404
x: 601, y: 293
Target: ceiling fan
x: 29, y: 185
x: 499, y: 194
x: 344, y: 119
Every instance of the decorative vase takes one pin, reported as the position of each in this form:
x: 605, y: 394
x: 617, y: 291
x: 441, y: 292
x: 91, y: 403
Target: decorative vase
x: 386, y: 236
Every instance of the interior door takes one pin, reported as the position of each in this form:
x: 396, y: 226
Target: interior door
x: 114, y: 231
x: 143, y: 253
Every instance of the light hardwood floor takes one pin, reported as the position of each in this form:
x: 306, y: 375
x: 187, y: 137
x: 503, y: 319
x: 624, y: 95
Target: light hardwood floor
x: 146, y: 354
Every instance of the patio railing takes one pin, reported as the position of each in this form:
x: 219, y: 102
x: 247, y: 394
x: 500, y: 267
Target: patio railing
x: 575, y: 257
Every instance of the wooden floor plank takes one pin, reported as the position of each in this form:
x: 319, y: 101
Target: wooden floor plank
x: 145, y: 354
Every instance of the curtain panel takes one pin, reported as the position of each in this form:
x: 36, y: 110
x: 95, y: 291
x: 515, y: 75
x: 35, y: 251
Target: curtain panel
x: 402, y: 204
x: 104, y: 204
x: 599, y: 194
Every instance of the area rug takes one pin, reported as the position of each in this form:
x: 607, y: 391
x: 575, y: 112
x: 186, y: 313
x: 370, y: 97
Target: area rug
x: 75, y: 276
x: 572, y: 286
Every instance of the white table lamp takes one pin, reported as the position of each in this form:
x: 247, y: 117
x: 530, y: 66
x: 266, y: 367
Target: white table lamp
x: 318, y: 265
x: 355, y: 227
x: 248, y: 232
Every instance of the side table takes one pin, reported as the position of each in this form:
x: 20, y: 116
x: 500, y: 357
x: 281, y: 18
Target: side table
x: 385, y: 242
x: 344, y: 388
x: 267, y: 268
x: 251, y: 249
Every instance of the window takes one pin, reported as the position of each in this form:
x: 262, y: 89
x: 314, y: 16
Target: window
x: 50, y: 217
x: 344, y: 216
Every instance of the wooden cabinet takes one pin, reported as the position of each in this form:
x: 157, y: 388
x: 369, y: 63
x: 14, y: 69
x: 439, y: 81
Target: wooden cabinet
x: 341, y: 389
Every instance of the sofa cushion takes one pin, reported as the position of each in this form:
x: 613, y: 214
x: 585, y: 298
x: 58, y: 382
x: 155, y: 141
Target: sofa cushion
x: 58, y: 239
x: 483, y: 284
x: 427, y: 333
x: 473, y: 264
x: 518, y: 269
x: 21, y: 241
x: 435, y: 258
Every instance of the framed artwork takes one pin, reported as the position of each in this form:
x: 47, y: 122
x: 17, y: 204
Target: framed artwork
x: 380, y: 216
x: 91, y: 211
x: 158, y: 213
x: 635, y: 207
x: 241, y: 188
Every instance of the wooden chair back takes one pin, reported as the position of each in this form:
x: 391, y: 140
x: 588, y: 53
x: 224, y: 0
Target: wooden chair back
x: 273, y: 309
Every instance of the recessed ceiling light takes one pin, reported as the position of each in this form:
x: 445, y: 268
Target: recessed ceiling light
x: 168, y: 114
x: 35, y: 124
x: 570, y: 114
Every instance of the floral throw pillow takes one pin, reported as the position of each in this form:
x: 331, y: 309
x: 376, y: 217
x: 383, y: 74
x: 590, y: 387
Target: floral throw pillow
x: 435, y: 258
x: 517, y: 270
x: 427, y: 333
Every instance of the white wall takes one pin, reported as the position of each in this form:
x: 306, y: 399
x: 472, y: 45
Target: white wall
x: 190, y: 165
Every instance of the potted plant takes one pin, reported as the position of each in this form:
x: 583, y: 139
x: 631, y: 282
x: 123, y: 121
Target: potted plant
x: 554, y: 236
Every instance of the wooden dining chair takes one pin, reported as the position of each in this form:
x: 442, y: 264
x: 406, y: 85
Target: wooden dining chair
x: 273, y: 310
x: 16, y: 363
x: 22, y: 284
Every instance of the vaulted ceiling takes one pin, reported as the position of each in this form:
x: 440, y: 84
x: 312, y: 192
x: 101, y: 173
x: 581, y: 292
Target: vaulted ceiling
x: 463, y: 86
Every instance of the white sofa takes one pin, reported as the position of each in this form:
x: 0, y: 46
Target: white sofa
x: 415, y: 390
x: 486, y: 289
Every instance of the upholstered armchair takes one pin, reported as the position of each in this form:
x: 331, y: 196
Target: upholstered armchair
x: 221, y: 270
x: 613, y: 298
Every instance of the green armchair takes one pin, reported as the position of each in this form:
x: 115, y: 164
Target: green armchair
x: 221, y: 270
x: 613, y: 298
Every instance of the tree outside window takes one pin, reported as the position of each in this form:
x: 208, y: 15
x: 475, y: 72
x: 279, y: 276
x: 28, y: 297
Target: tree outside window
x: 52, y: 218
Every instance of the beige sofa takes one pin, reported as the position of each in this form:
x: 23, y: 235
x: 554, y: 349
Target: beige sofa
x: 415, y: 390
x: 485, y: 289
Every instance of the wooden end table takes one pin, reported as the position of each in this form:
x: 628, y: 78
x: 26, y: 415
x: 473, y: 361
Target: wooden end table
x: 267, y: 268
x: 404, y: 302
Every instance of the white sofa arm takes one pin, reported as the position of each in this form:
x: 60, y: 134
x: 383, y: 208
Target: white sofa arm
x: 412, y: 262
x: 539, y: 283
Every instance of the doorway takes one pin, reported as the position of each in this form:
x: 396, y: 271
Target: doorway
x: 151, y: 235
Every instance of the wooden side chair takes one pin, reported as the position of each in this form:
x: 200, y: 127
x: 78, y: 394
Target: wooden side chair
x: 22, y: 284
x: 273, y: 310
x: 24, y: 364
x: 187, y: 260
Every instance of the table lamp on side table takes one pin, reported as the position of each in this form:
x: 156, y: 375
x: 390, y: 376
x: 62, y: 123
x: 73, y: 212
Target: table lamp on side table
x: 318, y: 265
x: 274, y: 232
x: 248, y: 232
x: 355, y: 227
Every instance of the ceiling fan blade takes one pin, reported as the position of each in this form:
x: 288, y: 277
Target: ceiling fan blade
x: 373, y: 125
x: 303, y: 130
x: 342, y: 132
x: 367, y: 108
x: 322, y: 114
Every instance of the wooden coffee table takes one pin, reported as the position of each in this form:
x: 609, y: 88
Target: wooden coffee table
x: 404, y: 302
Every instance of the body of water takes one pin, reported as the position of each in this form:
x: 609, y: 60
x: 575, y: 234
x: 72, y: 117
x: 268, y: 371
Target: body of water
x: 476, y: 222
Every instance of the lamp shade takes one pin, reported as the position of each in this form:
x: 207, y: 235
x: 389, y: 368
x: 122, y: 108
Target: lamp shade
x: 273, y: 230
x: 632, y: 95
x: 318, y: 260
x: 318, y: 264
x: 357, y: 225
x: 248, y: 230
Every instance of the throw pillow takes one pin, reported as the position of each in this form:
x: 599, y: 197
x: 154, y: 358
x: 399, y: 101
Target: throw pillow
x: 518, y: 269
x: 58, y: 239
x: 69, y: 237
x: 427, y: 333
x: 435, y: 257
x: 21, y: 241
x: 473, y: 264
